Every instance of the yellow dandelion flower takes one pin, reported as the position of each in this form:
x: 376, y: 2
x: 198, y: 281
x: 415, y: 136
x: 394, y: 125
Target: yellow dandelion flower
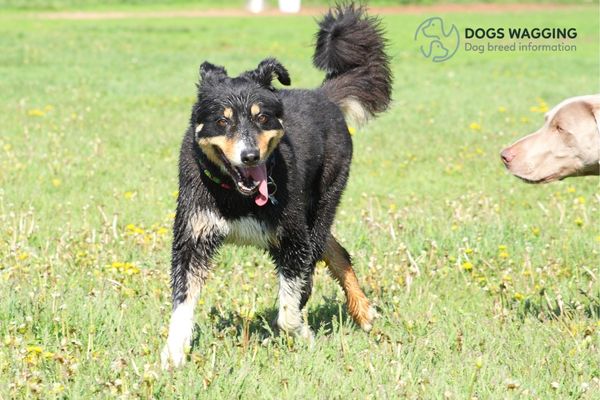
x: 56, y: 182
x: 502, y: 247
x: 175, y: 193
x: 518, y: 296
x: 468, y: 250
x: 22, y: 256
x: 48, y: 107
x: 131, y: 229
x: 7, y: 147
x: 35, y: 349
x: 598, y: 238
x: 535, y: 230
x: 571, y: 189
x: 467, y: 266
x: 124, y: 268
x: 578, y: 221
x: 162, y: 231
x: 502, y: 109
x: 36, y: 112
x: 541, y: 106
x: 47, y: 354
x: 475, y: 126
x: 581, y: 200
x: 503, y: 255
x: 129, y: 195
x: 352, y: 130
x: 524, y: 120
x: 479, y: 363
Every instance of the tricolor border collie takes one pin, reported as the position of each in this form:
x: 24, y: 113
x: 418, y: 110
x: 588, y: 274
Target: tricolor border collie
x: 267, y: 167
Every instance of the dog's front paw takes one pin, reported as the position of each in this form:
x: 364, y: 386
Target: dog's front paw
x: 170, y: 358
x: 301, y: 330
x: 174, y: 353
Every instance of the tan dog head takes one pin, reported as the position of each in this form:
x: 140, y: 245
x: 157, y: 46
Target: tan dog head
x: 567, y: 145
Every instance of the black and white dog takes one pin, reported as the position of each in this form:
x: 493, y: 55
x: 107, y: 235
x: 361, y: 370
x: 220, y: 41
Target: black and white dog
x: 267, y: 167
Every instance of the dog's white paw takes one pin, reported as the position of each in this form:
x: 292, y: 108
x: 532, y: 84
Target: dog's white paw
x: 175, y: 350
x: 301, y: 330
x: 367, y: 324
x: 172, y: 356
x: 306, y: 333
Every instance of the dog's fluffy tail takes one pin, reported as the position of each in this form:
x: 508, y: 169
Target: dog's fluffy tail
x: 351, y: 49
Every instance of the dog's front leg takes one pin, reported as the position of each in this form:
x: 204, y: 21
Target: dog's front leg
x: 196, y: 238
x: 295, y: 270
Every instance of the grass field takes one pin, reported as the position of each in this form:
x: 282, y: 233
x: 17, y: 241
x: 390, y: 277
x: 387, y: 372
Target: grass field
x: 187, y: 4
x: 487, y: 287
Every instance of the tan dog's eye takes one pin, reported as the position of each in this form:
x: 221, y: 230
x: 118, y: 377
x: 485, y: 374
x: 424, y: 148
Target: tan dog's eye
x: 262, y: 119
x: 222, y: 122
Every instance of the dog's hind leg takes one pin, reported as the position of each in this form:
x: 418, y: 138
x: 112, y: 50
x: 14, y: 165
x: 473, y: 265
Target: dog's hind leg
x: 196, y: 238
x: 340, y: 266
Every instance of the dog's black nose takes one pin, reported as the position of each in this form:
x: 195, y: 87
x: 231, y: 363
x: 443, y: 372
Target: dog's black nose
x: 250, y: 156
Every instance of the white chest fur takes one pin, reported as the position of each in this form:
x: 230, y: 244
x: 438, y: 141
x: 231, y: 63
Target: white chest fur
x: 250, y: 231
x: 241, y: 231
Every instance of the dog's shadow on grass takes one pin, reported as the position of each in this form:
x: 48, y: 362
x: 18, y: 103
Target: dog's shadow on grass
x: 322, y: 319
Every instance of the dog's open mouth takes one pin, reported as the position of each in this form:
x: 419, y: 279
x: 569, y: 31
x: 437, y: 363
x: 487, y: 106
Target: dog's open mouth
x: 249, y: 180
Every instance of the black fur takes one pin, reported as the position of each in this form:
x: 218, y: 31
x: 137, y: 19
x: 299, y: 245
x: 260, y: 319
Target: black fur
x: 309, y: 166
x: 346, y: 32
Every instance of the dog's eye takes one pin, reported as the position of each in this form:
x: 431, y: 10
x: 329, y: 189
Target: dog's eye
x: 262, y: 119
x: 222, y: 122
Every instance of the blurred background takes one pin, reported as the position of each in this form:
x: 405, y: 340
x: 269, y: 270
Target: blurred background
x: 255, y: 5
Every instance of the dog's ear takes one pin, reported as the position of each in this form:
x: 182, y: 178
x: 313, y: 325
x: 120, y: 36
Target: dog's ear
x: 267, y: 70
x: 210, y: 71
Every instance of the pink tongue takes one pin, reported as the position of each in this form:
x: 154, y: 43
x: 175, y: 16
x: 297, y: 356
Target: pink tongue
x: 259, y: 174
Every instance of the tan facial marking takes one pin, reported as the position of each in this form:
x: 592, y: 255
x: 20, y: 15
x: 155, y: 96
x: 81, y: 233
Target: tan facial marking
x: 228, y: 112
x: 268, y: 140
x: 222, y: 142
x: 255, y: 109
x: 339, y: 265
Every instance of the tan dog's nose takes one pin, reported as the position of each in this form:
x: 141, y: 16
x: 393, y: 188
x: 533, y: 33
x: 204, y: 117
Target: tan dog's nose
x: 507, y: 155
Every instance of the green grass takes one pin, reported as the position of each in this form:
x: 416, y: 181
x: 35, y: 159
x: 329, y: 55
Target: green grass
x: 165, y: 4
x: 486, y: 286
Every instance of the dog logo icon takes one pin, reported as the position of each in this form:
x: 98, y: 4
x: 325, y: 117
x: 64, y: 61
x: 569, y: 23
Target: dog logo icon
x: 435, y: 42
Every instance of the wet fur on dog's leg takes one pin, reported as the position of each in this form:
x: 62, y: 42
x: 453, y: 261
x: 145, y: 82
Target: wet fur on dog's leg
x: 292, y: 258
x: 196, y: 238
x: 340, y: 266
